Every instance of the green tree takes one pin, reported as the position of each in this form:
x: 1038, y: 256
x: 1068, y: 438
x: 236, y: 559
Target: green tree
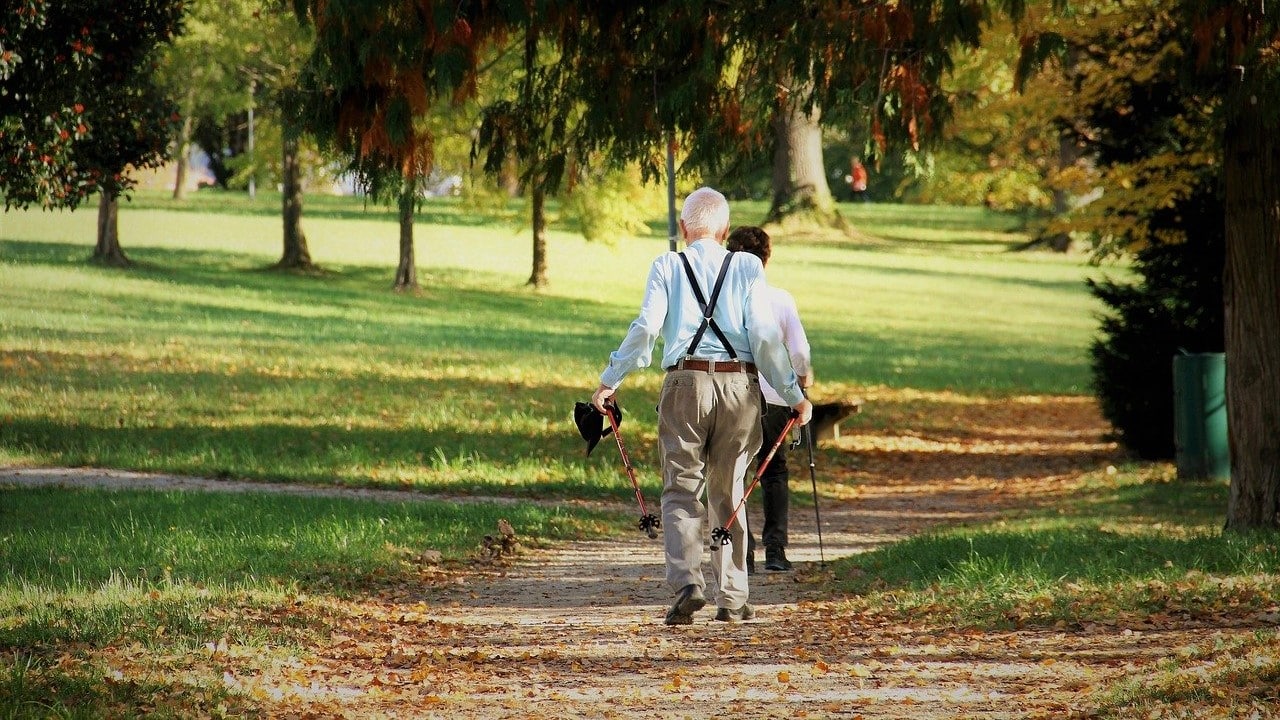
x: 533, y: 127
x: 716, y: 76
x: 201, y: 71
x: 998, y: 149
x: 375, y: 72
x: 529, y: 127
x: 1156, y: 167
x: 1236, y: 58
x: 1208, y: 71
x: 1150, y: 142
x: 232, y: 56
x: 79, y: 105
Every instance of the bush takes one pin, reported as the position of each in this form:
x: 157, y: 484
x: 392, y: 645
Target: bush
x: 613, y: 203
x: 1176, y: 306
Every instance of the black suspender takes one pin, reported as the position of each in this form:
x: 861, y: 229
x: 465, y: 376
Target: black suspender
x: 708, y: 306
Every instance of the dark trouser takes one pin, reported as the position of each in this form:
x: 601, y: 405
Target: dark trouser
x: 773, y: 484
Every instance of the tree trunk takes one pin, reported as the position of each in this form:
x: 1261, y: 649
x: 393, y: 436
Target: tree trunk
x: 407, y: 272
x: 800, y: 190
x: 107, y: 251
x: 537, y: 179
x: 297, y: 256
x: 509, y: 175
x: 184, y: 147
x: 538, y: 198
x: 1251, y: 157
x: 1068, y: 156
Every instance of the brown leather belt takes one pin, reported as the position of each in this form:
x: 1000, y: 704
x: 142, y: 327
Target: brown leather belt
x: 714, y: 366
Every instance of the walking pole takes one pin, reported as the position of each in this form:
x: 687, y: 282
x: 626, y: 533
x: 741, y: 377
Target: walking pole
x: 813, y: 478
x: 720, y: 535
x: 648, y: 521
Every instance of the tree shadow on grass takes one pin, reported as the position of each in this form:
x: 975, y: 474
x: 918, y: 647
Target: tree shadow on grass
x: 1070, y: 285
x: 431, y: 211
x: 480, y: 314
x: 350, y: 305
x: 1046, y: 556
x: 452, y: 460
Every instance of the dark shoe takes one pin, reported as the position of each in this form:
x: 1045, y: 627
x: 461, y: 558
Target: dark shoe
x: 746, y: 612
x: 751, y: 563
x: 776, y: 559
x: 689, y: 601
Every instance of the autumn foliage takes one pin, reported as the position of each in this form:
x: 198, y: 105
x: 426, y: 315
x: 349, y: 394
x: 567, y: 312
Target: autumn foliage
x: 708, y: 72
x: 376, y: 70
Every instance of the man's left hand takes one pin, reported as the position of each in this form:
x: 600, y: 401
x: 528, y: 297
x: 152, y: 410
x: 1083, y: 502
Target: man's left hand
x: 805, y: 410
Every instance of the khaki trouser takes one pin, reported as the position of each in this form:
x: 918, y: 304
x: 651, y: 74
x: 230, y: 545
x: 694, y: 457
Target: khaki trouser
x: 708, y: 432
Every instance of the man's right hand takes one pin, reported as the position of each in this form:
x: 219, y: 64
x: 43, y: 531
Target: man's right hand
x: 805, y: 408
x: 601, y: 397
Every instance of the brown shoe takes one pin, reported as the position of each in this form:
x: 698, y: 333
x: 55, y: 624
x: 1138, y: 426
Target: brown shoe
x: 746, y: 612
x: 689, y: 601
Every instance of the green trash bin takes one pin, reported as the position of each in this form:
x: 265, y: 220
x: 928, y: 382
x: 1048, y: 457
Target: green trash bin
x: 1200, y: 415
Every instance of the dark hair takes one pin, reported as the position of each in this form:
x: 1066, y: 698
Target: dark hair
x: 752, y: 239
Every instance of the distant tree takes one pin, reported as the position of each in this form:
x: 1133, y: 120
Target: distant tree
x: 296, y: 254
x: 1002, y: 146
x: 231, y: 55
x: 799, y: 178
x: 79, y: 104
x: 375, y: 72
x: 528, y: 120
x: 200, y: 70
x: 533, y: 128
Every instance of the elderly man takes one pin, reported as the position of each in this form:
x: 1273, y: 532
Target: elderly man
x: 711, y: 309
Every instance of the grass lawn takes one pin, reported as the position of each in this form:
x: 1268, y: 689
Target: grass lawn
x: 202, y: 362
x: 1127, y: 545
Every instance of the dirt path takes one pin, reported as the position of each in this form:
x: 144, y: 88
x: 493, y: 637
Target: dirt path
x: 576, y: 632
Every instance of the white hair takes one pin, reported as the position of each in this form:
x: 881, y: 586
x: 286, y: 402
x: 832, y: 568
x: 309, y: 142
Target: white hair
x: 705, y: 212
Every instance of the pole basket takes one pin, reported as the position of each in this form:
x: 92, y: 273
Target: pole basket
x: 719, y: 538
x: 650, y: 524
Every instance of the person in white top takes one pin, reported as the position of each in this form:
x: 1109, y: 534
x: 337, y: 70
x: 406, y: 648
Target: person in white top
x: 773, y: 483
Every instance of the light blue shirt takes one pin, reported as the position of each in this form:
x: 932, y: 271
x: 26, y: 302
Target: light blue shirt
x: 670, y: 310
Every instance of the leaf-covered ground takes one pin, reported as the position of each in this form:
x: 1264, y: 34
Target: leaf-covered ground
x: 576, y: 631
